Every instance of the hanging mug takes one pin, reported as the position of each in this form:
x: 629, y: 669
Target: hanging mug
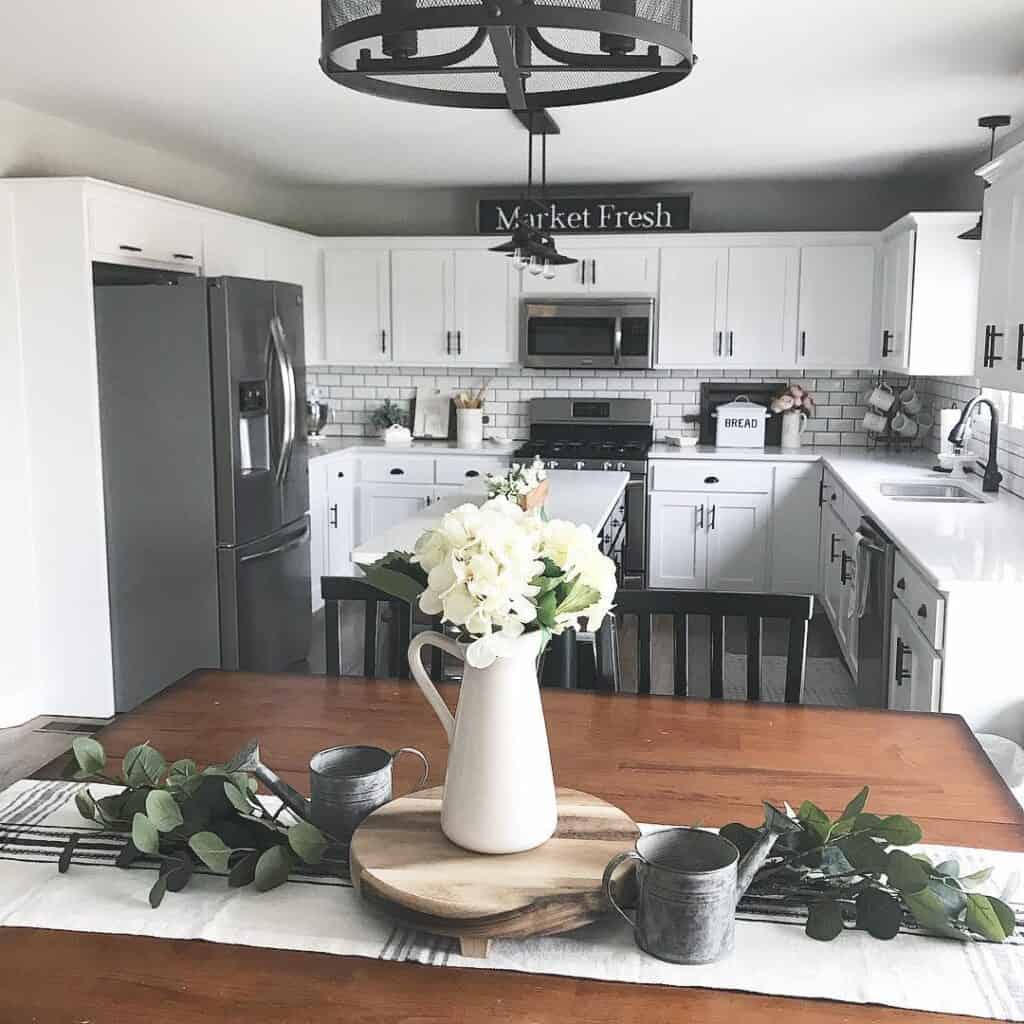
x: 882, y: 398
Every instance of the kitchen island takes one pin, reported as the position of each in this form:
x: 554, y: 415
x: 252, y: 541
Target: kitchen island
x: 588, y: 498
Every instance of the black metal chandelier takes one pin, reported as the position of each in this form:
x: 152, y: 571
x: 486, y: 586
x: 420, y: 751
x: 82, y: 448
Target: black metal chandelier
x: 990, y: 124
x: 506, y: 54
x: 531, y: 247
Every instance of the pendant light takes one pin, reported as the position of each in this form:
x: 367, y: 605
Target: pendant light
x: 506, y: 54
x: 531, y: 247
x: 991, y: 123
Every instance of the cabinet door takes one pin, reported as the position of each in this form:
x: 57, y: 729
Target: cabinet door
x: 422, y: 296
x: 1007, y: 345
x: 830, y: 589
x: 622, y: 272
x: 485, y: 298
x: 129, y: 228
x: 234, y: 248
x: 357, y: 306
x: 837, y: 285
x: 915, y: 670
x: 691, y: 314
x: 568, y: 279
x: 382, y: 506
x: 737, y: 541
x: 318, y: 517
x: 340, y: 517
x: 761, y: 310
x: 678, y: 551
x: 795, y: 522
x: 845, y: 570
x: 897, y: 282
x: 296, y: 260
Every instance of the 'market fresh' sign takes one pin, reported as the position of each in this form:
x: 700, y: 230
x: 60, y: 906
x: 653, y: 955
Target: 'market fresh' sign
x: 589, y: 215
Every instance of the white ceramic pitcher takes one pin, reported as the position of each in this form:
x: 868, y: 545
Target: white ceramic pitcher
x: 793, y: 423
x: 499, y: 794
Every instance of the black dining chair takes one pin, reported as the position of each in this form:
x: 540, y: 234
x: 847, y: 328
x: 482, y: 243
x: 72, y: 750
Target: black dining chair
x: 683, y: 605
x: 339, y: 590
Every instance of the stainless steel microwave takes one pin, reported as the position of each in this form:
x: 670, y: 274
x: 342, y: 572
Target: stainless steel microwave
x: 598, y: 333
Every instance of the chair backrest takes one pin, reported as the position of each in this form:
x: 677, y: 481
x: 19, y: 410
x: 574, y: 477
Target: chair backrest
x: 335, y: 590
x: 680, y: 605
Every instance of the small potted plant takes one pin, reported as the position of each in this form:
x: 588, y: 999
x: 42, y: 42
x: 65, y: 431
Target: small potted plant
x: 390, y: 420
x: 795, y: 405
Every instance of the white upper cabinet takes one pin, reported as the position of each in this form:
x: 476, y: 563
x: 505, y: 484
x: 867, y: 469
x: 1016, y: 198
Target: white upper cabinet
x: 235, y: 248
x: 929, y: 295
x: 486, y: 295
x: 422, y: 298
x: 599, y: 271
x: 837, y: 288
x: 691, y: 313
x: 127, y: 227
x: 357, y: 306
x: 760, y: 327
x: 296, y: 259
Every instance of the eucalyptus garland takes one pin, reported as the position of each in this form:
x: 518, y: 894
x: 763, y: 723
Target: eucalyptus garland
x: 185, y: 816
x: 853, y: 870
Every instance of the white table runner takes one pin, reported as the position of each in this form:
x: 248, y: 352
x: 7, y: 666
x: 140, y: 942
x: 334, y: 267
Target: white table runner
x: 324, y: 915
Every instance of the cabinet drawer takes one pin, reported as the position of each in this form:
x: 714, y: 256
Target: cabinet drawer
x: 839, y: 500
x: 711, y: 475
x: 398, y: 469
x: 924, y: 604
x: 462, y: 469
x: 144, y: 229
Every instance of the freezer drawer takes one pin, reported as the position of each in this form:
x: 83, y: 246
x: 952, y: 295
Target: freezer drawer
x: 265, y: 612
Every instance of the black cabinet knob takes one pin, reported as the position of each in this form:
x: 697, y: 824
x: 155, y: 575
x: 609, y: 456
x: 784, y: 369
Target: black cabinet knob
x: 901, y: 584
x: 711, y: 479
x: 472, y: 472
x: 397, y: 472
x: 922, y: 612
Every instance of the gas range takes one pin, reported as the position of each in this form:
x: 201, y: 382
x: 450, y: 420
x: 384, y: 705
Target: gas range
x: 567, y: 454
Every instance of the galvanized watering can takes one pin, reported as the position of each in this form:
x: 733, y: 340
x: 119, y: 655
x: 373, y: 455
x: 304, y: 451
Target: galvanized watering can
x: 346, y: 784
x: 688, y: 884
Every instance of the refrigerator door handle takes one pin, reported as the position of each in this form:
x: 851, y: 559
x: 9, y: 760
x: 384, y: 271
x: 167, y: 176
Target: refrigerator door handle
x: 286, y: 546
x: 287, y: 374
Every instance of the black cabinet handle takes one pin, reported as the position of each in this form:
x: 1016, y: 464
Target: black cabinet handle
x: 458, y: 343
x: 821, y: 492
x: 711, y: 516
x: 384, y: 342
x: 832, y: 556
x: 184, y: 256
x: 1020, y: 347
x: 130, y: 248
x: 992, y: 357
x: 803, y: 343
x: 448, y: 342
x: 901, y: 652
x: 901, y: 584
x: 700, y: 518
x: 397, y: 472
x: 593, y: 271
x: 843, y: 577
x: 730, y: 344
x: 711, y: 479
x: 472, y: 472
x: 719, y: 349
x: 922, y: 612
x: 428, y: 501
x: 886, y: 335
x: 988, y: 346
x: 334, y: 516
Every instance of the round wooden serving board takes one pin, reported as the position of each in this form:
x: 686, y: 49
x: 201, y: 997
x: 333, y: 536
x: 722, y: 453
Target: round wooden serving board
x: 401, y: 861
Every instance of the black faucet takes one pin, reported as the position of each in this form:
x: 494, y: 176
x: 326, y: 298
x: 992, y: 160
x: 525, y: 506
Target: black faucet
x: 958, y: 436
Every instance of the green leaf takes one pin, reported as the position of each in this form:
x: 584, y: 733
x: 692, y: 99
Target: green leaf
x: 238, y: 799
x: 1005, y: 914
x: 866, y: 822
x: 982, y: 918
x: 244, y: 870
x: 879, y: 914
x: 546, y: 609
x: 185, y: 767
x: 834, y: 861
x: 85, y: 804
x: 162, y: 810
x: 906, y: 873
x: 143, y: 766
x: 156, y: 894
x: 930, y: 913
x: 741, y: 836
x: 307, y: 841
x: 949, y: 868
x: 127, y: 856
x: 825, y: 921
x: 393, y: 582
x: 976, y: 878
x: 89, y: 755
x: 273, y: 867
x: 579, y: 598
x: 898, y: 830
x: 865, y: 854
x: 144, y: 835
x: 177, y: 872
x: 815, y: 819
x: 545, y: 583
x: 950, y: 895
x: 210, y: 849
x: 856, y: 805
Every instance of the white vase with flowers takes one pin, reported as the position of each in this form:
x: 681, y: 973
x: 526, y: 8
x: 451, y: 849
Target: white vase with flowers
x: 796, y: 406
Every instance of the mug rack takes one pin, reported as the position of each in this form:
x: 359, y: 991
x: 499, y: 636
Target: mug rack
x: 889, y: 438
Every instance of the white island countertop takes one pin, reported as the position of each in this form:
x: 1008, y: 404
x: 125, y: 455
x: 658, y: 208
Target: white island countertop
x: 587, y: 498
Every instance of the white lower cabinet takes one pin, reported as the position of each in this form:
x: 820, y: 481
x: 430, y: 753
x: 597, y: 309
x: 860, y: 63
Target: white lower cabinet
x: 838, y: 583
x: 340, y: 529
x: 382, y: 506
x: 678, y: 551
x: 795, y: 524
x: 915, y: 670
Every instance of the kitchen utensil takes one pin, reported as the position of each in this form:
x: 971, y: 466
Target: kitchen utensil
x: 882, y: 397
x: 688, y: 884
x: 318, y: 414
x: 470, y: 425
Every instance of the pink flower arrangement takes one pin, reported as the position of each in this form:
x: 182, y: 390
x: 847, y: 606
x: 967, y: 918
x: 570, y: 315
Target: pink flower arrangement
x: 793, y: 399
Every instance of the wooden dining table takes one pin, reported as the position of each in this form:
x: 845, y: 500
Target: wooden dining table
x: 663, y: 760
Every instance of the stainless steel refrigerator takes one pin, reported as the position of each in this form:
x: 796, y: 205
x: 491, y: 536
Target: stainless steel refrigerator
x: 204, y: 472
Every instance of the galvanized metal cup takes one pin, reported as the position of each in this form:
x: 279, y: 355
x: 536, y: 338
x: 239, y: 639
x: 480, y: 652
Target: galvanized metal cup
x: 348, y: 783
x: 686, y: 894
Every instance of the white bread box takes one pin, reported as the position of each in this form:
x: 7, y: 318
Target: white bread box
x: 741, y: 424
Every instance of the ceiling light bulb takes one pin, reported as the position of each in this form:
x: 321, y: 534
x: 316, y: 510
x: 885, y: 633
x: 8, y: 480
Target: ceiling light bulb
x: 549, y: 271
x: 534, y: 267
x: 518, y: 261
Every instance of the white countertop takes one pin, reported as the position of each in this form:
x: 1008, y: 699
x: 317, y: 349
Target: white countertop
x: 376, y: 446
x: 579, y: 497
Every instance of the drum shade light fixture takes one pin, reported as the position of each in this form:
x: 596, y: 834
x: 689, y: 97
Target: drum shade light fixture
x: 515, y: 55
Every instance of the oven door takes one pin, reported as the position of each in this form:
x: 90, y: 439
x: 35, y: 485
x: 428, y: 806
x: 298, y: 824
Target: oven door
x: 567, y: 335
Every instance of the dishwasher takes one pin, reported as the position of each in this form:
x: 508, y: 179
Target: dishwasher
x: 872, y: 604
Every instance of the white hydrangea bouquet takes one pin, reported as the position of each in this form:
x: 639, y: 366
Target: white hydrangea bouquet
x: 496, y: 571
x: 527, y: 486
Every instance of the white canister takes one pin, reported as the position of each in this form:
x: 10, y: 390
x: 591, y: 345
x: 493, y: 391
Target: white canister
x: 740, y: 424
x: 470, y: 427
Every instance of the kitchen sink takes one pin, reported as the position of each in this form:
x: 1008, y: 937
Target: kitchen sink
x: 930, y: 492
